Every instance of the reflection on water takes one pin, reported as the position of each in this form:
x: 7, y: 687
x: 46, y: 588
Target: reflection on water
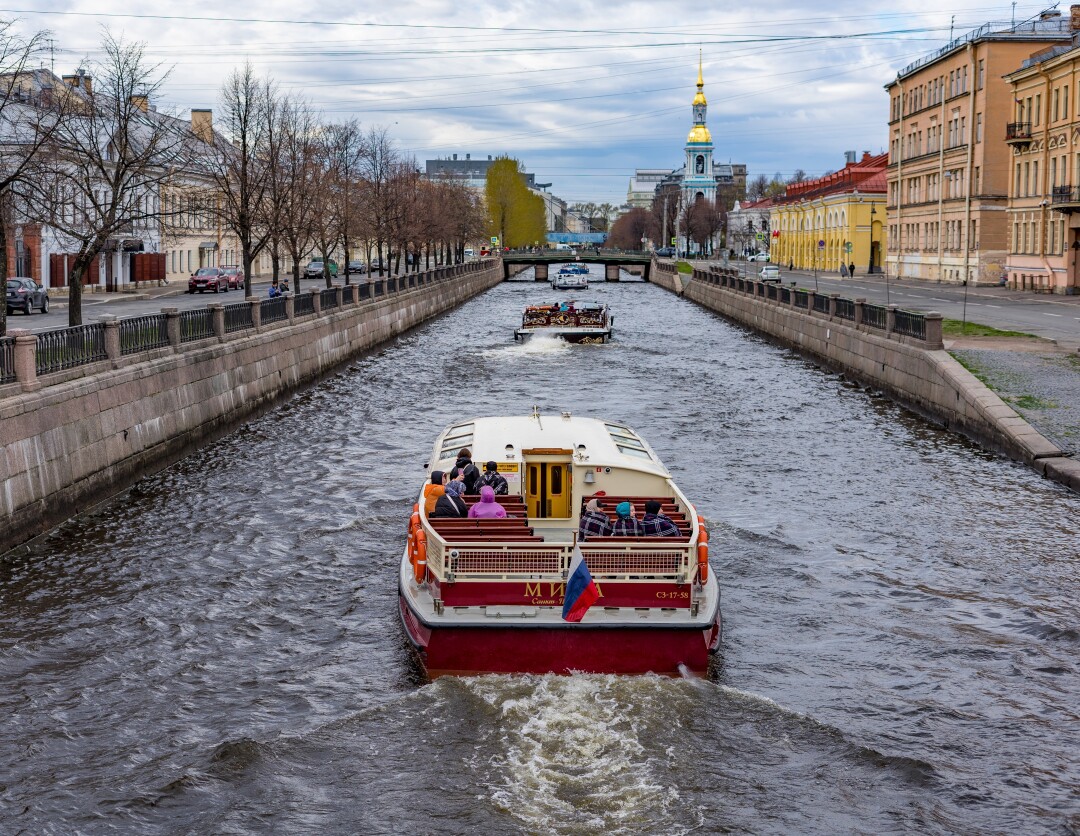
x: 218, y: 649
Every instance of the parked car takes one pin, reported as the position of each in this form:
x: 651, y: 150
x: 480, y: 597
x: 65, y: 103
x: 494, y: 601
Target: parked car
x: 357, y: 267
x: 208, y: 278
x: 235, y: 276
x: 25, y: 294
x: 665, y: 252
x: 758, y: 257
x: 770, y: 273
x: 315, y: 269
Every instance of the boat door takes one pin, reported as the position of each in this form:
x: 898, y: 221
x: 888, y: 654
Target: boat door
x: 548, y: 484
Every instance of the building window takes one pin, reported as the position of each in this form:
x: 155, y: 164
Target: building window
x: 1054, y: 107
x: 978, y: 127
x: 981, y: 79
x: 1036, y: 189
x: 1065, y: 102
x: 1037, y: 112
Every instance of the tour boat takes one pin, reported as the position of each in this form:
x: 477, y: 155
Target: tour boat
x: 480, y: 595
x: 573, y: 320
x: 571, y: 281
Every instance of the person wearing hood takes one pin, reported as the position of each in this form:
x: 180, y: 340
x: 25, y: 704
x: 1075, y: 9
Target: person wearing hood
x: 472, y: 474
x: 626, y: 525
x: 450, y: 505
x: 456, y: 485
x: 494, y: 480
x: 487, y: 508
x: 433, y: 490
x: 594, y: 522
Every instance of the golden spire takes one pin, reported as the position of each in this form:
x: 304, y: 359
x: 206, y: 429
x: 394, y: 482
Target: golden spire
x: 699, y: 99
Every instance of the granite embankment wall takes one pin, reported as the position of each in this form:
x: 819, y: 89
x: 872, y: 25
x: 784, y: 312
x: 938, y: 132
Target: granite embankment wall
x: 917, y: 371
x: 73, y: 437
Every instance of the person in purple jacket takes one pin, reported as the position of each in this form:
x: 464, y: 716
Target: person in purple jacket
x: 487, y: 508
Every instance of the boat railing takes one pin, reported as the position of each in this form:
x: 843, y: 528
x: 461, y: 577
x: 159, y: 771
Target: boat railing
x: 491, y: 561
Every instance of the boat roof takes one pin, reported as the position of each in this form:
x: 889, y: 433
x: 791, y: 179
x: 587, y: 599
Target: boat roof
x: 594, y: 441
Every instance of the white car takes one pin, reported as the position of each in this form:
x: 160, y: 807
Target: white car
x: 770, y: 273
x: 758, y: 257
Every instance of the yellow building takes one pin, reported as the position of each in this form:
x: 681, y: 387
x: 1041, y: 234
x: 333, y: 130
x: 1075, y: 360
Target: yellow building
x: 832, y: 220
x: 1044, y: 203
x: 949, y: 167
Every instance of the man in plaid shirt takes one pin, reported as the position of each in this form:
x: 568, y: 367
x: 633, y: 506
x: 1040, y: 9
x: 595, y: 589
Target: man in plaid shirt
x: 656, y: 524
x: 594, y: 522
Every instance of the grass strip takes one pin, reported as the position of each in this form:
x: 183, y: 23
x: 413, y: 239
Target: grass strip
x: 956, y: 328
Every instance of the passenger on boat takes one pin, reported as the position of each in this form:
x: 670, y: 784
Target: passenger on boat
x: 655, y: 524
x: 626, y: 525
x: 494, y: 480
x: 472, y: 474
x: 450, y: 505
x: 594, y: 522
x: 456, y: 485
x: 433, y: 490
x: 487, y: 508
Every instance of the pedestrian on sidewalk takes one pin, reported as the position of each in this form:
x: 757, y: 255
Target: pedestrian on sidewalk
x: 843, y: 271
x: 851, y: 269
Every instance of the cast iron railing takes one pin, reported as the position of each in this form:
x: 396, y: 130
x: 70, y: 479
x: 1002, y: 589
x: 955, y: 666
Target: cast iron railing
x: 238, y: 317
x: 66, y: 348
x: 328, y: 298
x: 911, y: 324
x: 845, y: 309
x: 802, y: 299
x: 821, y: 303
x: 142, y: 333
x: 7, y: 359
x: 875, y: 316
x: 304, y: 305
x: 196, y: 324
x: 1018, y: 130
x: 273, y: 310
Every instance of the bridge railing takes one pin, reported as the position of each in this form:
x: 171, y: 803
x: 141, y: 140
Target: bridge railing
x: 66, y: 353
x: 889, y: 321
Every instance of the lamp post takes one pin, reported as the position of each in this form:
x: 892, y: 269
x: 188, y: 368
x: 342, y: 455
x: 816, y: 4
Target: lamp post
x: 870, y: 266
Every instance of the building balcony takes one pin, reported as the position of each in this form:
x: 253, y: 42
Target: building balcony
x: 1065, y: 199
x: 1018, y: 134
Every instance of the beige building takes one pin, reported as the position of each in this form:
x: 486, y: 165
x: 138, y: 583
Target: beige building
x: 949, y: 167
x: 1044, y: 201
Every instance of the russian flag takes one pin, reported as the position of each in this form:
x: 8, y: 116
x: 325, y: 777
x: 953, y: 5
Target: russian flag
x: 581, y: 591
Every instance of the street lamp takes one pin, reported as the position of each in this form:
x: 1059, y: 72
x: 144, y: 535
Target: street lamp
x: 870, y: 266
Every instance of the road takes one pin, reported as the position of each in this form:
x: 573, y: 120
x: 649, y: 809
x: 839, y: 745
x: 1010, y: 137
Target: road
x: 148, y: 301
x: 1053, y: 317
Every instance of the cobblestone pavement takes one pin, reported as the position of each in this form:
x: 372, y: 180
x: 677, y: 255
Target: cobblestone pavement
x: 1042, y: 386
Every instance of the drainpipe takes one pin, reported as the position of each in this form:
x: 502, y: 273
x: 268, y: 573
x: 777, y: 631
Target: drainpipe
x: 1044, y: 203
x: 941, y: 187
x: 970, y: 166
x: 899, y: 192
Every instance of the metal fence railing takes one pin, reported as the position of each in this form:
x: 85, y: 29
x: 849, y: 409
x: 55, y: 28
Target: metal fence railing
x: 911, y: 324
x: 66, y: 348
x: 142, y: 333
x: 304, y: 305
x: 328, y: 298
x: 802, y: 299
x: 845, y: 309
x: 821, y: 303
x: 875, y: 316
x: 196, y: 324
x: 7, y: 359
x: 785, y: 296
x: 238, y: 317
x: 272, y: 310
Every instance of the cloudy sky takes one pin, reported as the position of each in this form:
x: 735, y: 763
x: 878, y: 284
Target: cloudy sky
x: 581, y: 92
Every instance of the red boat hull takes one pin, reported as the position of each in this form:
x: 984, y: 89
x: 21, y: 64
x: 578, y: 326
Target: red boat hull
x: 574, y: 648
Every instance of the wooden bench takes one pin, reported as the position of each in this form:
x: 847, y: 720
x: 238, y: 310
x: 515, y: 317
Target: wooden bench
x: 599, y: 541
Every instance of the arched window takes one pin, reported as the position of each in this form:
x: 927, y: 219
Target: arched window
x: 699, y: 166
x: 699, y: 196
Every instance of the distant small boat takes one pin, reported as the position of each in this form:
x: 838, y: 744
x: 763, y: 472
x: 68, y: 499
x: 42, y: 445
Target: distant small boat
x: 571, y: 281
x: 573, y: 320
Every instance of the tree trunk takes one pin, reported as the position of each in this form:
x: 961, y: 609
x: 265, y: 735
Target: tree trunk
x: 3, y: 270
x: 245, y: 247
x: 75, y: 281
x: 275, y: 263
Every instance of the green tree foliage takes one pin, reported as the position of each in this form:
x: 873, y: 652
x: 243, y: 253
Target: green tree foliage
x: 515, y: 214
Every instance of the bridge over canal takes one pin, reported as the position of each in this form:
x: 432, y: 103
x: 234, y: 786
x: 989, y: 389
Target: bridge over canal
x: 636, y: 263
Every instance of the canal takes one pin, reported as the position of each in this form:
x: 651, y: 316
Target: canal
x: 218, y: 649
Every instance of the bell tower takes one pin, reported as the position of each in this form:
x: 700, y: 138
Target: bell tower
x: 699, y: 181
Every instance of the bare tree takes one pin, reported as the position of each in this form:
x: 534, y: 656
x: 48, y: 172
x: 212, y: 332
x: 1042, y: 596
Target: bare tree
x: 378, y: 166
x: 106, y: 162
x: 29, y: 117
x: 345, y: 149
x: 296, y: 183
x: 241, y: 162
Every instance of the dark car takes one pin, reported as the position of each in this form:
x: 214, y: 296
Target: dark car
x: 208, y: 278
x: 235, y: 276
x: 25, y: 294
x: 665, y: 252
x: 357, y: 267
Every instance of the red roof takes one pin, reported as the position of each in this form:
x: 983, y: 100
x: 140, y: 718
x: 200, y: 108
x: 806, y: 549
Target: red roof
x: 867, y: 175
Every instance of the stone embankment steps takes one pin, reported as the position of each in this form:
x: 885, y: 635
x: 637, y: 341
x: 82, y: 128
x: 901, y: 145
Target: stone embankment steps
x: 79, y: 425
x: 861, y: 340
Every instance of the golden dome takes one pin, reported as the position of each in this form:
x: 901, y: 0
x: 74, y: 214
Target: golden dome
x: 699, y: 133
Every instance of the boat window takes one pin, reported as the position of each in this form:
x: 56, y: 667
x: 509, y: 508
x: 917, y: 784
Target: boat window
x: 633, y: 451
x: 556, y: 480
x: 456, y: 438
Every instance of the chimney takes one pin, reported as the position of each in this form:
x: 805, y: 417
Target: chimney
x: 70, y: 80
x: 489, y: 156
x: 468, y: 156
x: 46, y: 95
x: 86, y: 81
x: 849, y: 156
x: 202, y: 125
x: 1074, y: 18
x: 455, y: 156
x: 141, y: 101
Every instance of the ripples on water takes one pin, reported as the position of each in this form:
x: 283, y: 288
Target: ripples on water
x: 218, y: 650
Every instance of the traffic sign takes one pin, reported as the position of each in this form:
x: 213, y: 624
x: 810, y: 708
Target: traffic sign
x: 674, y: 241
x: 760, y: 236
x: 494, y: 239
x: 821, y: 244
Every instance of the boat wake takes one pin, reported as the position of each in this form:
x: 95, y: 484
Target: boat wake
x: 538, y: 344
x: 569, y: 755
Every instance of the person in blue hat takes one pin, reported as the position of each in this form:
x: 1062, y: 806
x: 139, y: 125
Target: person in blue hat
x: 626, y: 525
